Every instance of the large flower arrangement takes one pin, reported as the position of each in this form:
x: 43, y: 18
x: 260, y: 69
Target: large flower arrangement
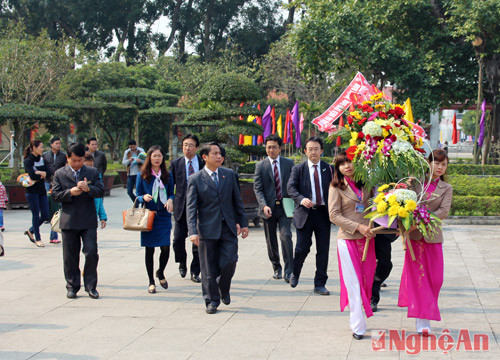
x: 396, y: 201
x: 382, y: 145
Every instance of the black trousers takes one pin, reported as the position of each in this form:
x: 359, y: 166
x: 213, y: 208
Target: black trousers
x: 218, y: 259
x: 179, y: 245
x: 279, y: 219
x: 383, y: 250
x: 71, y: 244
x: 318, y: 222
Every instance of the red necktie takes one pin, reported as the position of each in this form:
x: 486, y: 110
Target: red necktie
x: 317, y: 188
x: 277, y: 181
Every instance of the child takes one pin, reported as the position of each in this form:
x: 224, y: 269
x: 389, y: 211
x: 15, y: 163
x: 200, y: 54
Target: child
x: 3, y: 201
x: 99, y: 205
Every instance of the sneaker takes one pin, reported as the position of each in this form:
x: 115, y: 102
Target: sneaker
x: 55, y: 241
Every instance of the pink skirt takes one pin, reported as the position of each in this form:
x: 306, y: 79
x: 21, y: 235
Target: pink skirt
x: 365, y: 271
x: 421, y: 280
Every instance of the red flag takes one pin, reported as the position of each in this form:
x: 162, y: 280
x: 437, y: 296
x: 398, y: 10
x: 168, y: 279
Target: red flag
x: 454, y: 135
x: 341, y: 124
x: 273, y: 117
x: 258, y: 120
x: 241, y: 140
x: 287, y: 124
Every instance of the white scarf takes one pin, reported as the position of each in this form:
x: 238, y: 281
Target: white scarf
x: 159, y: 188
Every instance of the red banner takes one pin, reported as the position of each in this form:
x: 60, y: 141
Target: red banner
x: 359, y: 89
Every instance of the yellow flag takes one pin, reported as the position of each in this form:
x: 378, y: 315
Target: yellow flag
x: 279, y: 127
x: 247, y: 139
x: 407, y: 107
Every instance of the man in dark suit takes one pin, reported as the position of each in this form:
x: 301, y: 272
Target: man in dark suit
x: 100, y: 162
x: 215, y: 218
x: 308, y: 187
x: 76, y: 186
x: 270, y: 182
x: 181, y: 169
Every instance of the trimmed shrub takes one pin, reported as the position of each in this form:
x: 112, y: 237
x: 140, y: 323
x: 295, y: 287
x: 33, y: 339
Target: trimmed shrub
x: 464, y: 185
x: 475, y: 206
x: 467, y: 169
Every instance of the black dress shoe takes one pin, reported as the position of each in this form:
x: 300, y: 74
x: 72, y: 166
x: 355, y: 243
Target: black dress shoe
x: 2, y: 251
x: 226, y: 299
x: 211, y: 309
x: 71, y: 294
x: 294, y: 280
x: 182, y: 270
x: 287, y: 278
x: 357, y: 337
x: 383, y: 285
x: 277, y: 274
x: 161, y: 278
x: 93, y: 293
x: 373, y: 305
x: 321, y: 290
x: 195, y: 278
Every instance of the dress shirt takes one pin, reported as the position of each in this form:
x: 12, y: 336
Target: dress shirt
x: 210, y: 172
x: 313, y: 188
x: 279, y: 170
x: 194, y: 162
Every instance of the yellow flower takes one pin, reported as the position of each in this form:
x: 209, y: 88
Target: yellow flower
x: 385, y: 133
x: 410, y: 205
x: 383, y: 187
x: 382, y: 207
x: 393, y: 210
x: 367, y: 102
x: 354, y: 135
x: 352, y: 142
x: 347, y: 126
x: 380, y: 197
x: 392, y: 200
x: 403, y: 213
x: 355, y: 114
x: 376, y: 96
x: 379, y: 106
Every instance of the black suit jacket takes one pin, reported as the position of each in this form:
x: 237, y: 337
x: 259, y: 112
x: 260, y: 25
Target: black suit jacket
x: 206, y: 206
x: 100, y: 162
x: 48, y: 159
x: 178, y: 171
x: 299, y: 187
x: 264, y: 187
x: 78, y: 212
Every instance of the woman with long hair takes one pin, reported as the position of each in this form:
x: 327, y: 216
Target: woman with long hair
x: 155, y: 187
x: 347, y: 201
x: 422, y: 279
x: 36, y: 193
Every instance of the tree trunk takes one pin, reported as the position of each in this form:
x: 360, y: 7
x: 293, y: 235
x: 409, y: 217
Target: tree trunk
x: 19, y: 127
x: 206, y: 31
x: 173, y: 28
x: 478, y: 105
x: 119, y: 49
x: 291, y: 14
x: 489, y: 131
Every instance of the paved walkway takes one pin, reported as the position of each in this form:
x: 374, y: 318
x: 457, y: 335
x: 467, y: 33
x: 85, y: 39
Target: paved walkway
x: 266, y: 319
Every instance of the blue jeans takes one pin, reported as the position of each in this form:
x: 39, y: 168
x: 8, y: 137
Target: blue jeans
x: 1, y: 217
x: 53, y: 234
x: 131, y: 186
x: 39, y: 206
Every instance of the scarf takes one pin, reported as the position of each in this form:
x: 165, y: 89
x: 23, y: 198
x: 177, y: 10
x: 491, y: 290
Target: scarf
x: 159, y: 188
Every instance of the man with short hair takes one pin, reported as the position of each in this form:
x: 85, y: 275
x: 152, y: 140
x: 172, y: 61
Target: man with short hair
x: 270, y: 183
x: 133, y: 163
x: 308, y: 187
x: 76, y: 186
x: 100, y: 162
x: 181, y: 168
x: 54, y: 159
x: 215, y: 218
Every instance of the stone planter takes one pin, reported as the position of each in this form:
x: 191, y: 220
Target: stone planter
x: 108, y: 181
x: 123, y: 177
x: 250, y: 202
x: 17, y: 196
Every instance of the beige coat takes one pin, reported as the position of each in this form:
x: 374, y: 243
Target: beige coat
x: 341, y: 206
x: 440, y: 204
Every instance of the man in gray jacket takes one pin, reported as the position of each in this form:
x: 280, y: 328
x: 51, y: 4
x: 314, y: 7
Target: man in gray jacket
x: 133, y: 163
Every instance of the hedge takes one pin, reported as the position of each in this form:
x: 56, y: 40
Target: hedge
x: 467, y: 169
x: 475, y: 206
x: 464, y: 185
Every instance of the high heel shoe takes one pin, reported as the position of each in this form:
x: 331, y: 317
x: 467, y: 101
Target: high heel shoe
x: 163, y: 282
x: 30, y: 236
x: 151, y: 289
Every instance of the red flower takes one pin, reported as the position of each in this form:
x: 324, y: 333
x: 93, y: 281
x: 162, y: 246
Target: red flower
x: 401, y: 186
x: 350, y: 119
x: 362, y: 121
x: 399, y: 111
x: 382, y: 114
x: 420, y: 150
x: 351, y: 150
x: 368, y: 137
x: 388, y: 127
x: 361, y: 135
x: 393, y: 138
x: 366, y: 108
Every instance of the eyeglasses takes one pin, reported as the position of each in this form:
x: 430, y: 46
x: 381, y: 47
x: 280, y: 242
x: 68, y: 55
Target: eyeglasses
x: 188, y: 145
x: 272, y: 147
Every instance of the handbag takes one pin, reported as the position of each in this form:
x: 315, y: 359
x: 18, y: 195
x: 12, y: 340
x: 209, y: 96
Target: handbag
x: 25, y: 180
x: 55, y: 222
x: 138, y: 219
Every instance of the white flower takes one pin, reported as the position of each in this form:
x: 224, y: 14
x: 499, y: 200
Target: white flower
x: 372, y: 129
x: 401, y: 146
x: 403, y: 195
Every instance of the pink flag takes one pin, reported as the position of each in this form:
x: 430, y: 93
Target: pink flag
x: 301, y: 122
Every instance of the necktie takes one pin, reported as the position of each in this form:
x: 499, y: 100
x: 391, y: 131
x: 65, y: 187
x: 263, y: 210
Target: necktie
x: 77, y: 174
x: 190, y: 168
x: 317, y: 188
x: 277, y: 181
x: 214, y: 178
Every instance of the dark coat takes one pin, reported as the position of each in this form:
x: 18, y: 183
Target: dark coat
x: 100, y: 162
x: 78, y: 212
x: 48, y: 158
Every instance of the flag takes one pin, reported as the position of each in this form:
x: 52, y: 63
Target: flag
x: 241, y: 139
x: 247, y: 139
x: 285, y: 133
x: 267, y: 122
x: 454, y: 135
x: 481, y: 125
x: 301, y: 122
x: 289, y: 126
x: 273, y: 117
x: 279, y: 127
x: 296, y: 124
x: 407, y: 108
x: 259, y: 140
x: 341, y: 124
